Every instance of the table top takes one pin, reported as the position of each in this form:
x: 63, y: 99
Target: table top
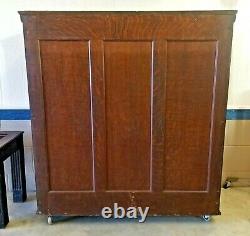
x: 8, y: 136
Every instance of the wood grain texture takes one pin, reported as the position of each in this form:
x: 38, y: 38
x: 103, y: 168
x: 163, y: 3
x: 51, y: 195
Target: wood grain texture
x: 66, y: 86
x: 91, y: 203
x: 99, y: 118
x: 189, y: 108
x: 158, y: 110
x: 128, y: 72
x: 152, y: 87
x: 132, y: 25
x: 33, y: 63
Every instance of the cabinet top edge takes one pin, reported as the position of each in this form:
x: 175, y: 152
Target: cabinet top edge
x: 201, y: 12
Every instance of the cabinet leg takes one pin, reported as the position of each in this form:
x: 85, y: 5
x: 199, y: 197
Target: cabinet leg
x: 18, y: 174
x: 4, y: 216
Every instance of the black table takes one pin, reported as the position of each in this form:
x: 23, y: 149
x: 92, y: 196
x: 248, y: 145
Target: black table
x: 11, y: 145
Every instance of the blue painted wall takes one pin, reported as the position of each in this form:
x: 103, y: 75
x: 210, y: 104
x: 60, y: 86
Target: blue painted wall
x: 25, y: 114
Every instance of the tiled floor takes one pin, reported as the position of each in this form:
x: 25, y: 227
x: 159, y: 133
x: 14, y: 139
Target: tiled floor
x: 235, y: 220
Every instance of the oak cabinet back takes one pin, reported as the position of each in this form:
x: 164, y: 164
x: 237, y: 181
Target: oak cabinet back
x: 128, y: 108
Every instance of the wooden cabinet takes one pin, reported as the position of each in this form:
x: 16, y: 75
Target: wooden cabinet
x: 128, y: 107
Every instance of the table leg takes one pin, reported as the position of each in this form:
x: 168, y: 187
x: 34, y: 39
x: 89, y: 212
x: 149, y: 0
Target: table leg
x: 4, y: 216
x: 18, y: 173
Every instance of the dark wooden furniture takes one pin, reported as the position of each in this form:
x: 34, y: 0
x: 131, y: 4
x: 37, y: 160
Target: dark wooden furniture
x: 11, y: 145
x: 128, y: 107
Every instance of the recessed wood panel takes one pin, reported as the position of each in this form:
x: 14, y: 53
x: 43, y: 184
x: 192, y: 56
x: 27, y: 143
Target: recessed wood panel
x: 128, y: 69
x: 66, y: 87
x: 189, y: 99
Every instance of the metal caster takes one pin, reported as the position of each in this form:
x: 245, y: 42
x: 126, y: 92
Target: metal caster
x: 227, y: 184
x: 206, y: 218
x: 50, y: 221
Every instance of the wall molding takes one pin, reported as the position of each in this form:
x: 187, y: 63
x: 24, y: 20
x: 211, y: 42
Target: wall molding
x: 15, y: 114
x: 25, y: 114
x: 238, y: 114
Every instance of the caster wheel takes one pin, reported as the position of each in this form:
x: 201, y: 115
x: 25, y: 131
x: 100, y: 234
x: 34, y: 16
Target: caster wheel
x: 227, y: 184
x: 50, y: 222
x: 206, y: 218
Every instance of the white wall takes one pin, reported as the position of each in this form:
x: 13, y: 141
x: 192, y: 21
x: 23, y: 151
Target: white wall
x: 13, y: 84
x: 239, y: 87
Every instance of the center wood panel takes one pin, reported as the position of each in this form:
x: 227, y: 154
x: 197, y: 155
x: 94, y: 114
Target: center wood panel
x: 128, y: 72
x: 66, y: 87
x: 191, y: 71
